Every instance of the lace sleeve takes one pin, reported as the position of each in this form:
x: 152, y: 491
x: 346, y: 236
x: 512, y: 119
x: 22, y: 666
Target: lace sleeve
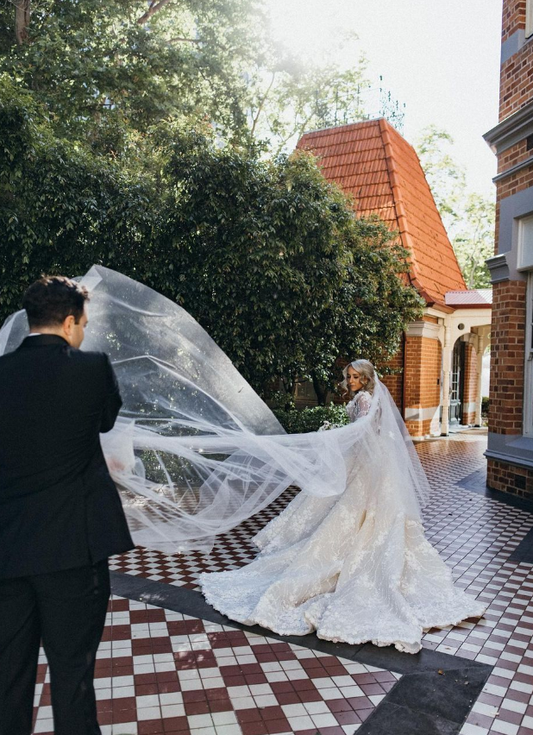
x: 359, y: 406
x: 364, y: 400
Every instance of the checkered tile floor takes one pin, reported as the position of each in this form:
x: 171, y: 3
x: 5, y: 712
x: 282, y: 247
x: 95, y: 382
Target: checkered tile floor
x: 232, y: 550
x: 474, y: 534
x: 163, y: 672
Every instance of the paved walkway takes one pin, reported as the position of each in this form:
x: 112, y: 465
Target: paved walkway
x: 170, y: 664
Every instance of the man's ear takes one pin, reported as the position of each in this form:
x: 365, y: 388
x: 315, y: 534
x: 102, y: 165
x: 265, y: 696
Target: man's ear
x: 68, y: 324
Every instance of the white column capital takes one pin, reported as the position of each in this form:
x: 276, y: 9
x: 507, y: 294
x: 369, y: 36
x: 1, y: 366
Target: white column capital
x: 424, y: 329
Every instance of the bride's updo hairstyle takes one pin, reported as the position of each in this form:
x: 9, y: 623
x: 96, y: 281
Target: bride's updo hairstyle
x: 366, y: 372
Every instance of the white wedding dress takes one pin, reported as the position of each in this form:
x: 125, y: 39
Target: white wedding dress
x: 196, y: 452
x: 353, y: 568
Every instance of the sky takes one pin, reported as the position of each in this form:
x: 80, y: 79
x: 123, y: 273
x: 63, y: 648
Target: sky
x: 440, y: 59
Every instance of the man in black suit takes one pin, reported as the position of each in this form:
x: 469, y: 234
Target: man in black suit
x: 60, y: 513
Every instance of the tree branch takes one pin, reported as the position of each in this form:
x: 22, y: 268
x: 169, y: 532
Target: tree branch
x: 22, y: 19
x: 152, y: 10
x: 261, y: 104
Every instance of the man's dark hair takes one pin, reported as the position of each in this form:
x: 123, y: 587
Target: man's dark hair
x: 51, y: 299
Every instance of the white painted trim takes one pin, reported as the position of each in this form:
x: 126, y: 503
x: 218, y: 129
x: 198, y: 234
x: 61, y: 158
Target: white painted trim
x: 470, y: 317
x: 417, y: 413
x: 525, y: 238
x: 529, y: 18
x: 440, y: 315
x: 424, y: 329
x: 470, y: 407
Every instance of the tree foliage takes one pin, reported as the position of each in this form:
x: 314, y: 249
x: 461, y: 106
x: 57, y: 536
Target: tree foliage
x: 290, y: 97
x: 467, y: 216
x: 124, y: 141
x: 98, y: 66
x: 473, y: 241
x: 277, y: 267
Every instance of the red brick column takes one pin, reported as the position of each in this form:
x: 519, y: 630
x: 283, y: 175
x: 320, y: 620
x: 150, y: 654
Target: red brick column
x: 507, y: 365
x: 507, y: 382
x: 423, y: 364
x: 394, y: 382
x: 515, y: 177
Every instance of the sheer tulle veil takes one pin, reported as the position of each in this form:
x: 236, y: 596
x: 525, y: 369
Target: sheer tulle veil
x: 195, y: 450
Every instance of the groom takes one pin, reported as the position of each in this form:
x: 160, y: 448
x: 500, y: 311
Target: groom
x: 60, y: 513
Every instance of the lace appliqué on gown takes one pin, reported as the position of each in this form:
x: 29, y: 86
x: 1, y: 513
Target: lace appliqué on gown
x: 359, y: 406
x: 350, y: 567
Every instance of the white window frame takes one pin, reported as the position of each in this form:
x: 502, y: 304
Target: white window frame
x: 525, y: 226
x: 529, y: 18
x: 528, y: 370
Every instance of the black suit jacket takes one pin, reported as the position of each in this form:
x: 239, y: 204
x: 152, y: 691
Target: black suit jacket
x: 59, y: 507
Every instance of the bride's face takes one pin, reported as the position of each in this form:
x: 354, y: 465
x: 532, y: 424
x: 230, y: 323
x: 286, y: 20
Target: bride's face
x: 353, y: 380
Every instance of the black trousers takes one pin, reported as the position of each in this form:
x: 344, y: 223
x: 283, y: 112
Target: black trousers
x: 66, y: 610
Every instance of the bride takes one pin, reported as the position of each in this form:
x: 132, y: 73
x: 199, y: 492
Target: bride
x: 354, y: 567
x: 196, y: 451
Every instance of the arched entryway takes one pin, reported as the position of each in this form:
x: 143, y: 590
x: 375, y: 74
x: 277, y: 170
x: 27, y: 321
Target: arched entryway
x: 457, y: 384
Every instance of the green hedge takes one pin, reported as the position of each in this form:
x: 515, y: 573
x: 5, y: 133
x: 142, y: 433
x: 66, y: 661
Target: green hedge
x: 310, y: 419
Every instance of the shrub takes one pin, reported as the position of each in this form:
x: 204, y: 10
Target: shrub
x: 311, y: 419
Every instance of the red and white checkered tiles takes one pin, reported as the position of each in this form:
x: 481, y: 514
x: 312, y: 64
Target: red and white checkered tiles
x: 159, y: 671
x: 232, y: 550
x: 474, y: 534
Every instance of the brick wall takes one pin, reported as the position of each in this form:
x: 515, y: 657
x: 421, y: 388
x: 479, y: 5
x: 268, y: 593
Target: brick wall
x: 517, y: 72
x: 513, y: 17
x: 515, y: 79
x: 515, y: 182
x: 513, y: 155
x: 507, y: 362
x: 423, y: 365
x: 510, y: 479
x: 509, y: 297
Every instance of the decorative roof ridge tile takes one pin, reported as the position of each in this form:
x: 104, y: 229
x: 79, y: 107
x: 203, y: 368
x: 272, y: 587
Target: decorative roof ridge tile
x: 342, y: 128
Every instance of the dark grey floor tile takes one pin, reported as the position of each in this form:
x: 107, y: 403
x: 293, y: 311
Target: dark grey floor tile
x: 392, y: 719
x: 448, y: 695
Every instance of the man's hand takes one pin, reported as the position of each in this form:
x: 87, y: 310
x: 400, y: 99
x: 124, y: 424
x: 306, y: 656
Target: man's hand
x: 114, y: 465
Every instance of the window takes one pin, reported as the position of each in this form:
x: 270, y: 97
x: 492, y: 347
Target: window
x: 525, y: 243
x: 529, y: 18
x: 528, y: 383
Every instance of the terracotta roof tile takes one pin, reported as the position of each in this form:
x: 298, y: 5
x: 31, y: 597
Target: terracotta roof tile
x: 371, y: 161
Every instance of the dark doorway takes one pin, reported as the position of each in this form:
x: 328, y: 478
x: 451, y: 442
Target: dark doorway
x: 457, y: 383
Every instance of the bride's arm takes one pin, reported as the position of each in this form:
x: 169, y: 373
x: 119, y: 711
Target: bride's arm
x: 363, y: 401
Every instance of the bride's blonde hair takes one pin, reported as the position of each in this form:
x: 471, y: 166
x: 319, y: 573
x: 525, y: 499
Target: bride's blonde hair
x: 367, y: 374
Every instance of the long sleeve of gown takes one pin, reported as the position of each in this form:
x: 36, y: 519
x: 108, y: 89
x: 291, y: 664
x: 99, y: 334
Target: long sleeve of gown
x: 359, y: 406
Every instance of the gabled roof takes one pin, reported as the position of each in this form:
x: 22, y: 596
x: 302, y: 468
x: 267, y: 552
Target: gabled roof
x: 371, y: 161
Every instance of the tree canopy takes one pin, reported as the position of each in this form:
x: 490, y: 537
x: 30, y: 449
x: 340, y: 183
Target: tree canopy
x: 101, y: 66
x: 126, y: 141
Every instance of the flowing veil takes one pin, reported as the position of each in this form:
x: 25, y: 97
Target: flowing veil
x: 195, y: 451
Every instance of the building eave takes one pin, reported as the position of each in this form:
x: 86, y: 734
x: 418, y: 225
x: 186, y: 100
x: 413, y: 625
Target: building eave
x: 440, y: 307
x: 511, y: 130
x: 471, y: 306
